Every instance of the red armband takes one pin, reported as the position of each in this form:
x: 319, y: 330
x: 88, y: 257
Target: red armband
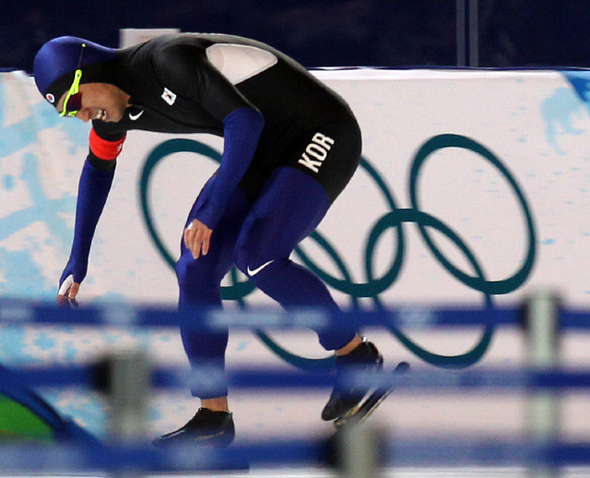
x: 103, y: 149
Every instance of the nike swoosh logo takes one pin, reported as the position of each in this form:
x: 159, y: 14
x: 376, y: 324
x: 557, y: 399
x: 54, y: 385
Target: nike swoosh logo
x: 135, y: 117
x: 253, y: 272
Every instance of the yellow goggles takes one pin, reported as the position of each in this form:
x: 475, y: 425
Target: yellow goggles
x: 73, y: 101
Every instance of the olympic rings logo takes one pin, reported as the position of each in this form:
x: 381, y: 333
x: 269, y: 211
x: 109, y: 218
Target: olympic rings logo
x: 394, y: 219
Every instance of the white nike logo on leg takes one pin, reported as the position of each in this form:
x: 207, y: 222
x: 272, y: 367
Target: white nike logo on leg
x: 253, y: 272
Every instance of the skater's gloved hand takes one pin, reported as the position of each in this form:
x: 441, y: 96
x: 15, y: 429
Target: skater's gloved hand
x: 197, y: 237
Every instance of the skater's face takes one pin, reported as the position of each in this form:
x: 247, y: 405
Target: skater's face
x: 95, y: 101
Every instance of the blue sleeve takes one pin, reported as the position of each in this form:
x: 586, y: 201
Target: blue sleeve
x: 242, y: 129
x: 93, y: 191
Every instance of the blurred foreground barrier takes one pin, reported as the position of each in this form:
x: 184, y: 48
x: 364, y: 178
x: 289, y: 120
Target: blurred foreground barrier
x: 503, y: 379
x: 125, y: 315
x: 128, y: 377
x: 406, y: 451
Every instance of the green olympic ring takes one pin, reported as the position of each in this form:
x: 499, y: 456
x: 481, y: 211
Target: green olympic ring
x: 373, y: 286
x: 395, y: 219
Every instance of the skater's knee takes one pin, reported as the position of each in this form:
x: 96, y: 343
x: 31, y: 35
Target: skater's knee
x: 191, y: 273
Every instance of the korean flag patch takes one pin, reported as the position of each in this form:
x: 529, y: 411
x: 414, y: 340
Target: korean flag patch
x: 168, y: 96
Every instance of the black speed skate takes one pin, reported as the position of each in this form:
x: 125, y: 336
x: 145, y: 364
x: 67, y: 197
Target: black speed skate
x: 344, y: 400
x: 361, y: 412
x: 205, y: 428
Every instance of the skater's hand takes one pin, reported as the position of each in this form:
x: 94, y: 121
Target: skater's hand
x: 66, y: 296
x: 197, y: 237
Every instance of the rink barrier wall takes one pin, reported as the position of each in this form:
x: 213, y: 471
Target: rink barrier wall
x: 503, y: 182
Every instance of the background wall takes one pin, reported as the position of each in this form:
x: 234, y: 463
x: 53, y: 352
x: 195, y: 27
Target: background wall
x: 500, y: 188
x: 320, y: 32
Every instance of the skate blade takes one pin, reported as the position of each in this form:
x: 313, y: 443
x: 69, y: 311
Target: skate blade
x: 363, y: 410
x: 348, y: 414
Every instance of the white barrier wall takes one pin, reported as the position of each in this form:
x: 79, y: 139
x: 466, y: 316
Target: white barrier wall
x: 493, y: 165
x: 513, y: 142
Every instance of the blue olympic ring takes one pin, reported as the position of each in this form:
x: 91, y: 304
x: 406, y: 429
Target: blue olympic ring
x: 393, y: 219
x: 478, y: 283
